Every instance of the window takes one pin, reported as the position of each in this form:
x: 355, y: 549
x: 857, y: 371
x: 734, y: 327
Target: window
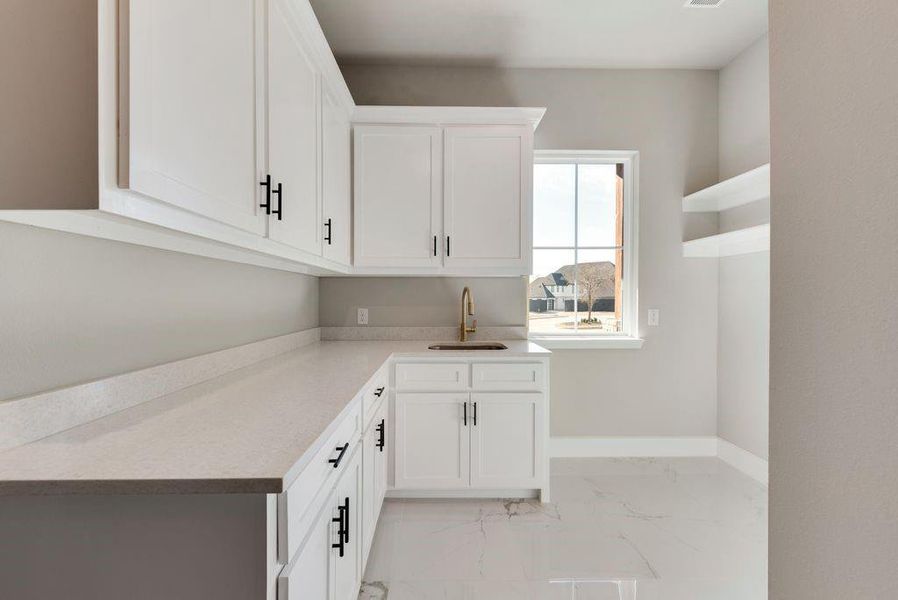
x: 583, y: 285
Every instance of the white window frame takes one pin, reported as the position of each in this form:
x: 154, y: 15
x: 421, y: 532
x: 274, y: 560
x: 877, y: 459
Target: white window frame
x: 629, y: 337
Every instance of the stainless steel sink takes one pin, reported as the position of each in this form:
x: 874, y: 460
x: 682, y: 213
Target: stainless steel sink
x: 469, y: 346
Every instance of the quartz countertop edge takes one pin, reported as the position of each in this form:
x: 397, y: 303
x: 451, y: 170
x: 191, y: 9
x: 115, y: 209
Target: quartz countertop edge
x: 252, y: 430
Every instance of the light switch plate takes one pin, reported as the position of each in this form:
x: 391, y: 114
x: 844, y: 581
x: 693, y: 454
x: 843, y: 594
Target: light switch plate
x: 654, y: 317
x: 363, y: 316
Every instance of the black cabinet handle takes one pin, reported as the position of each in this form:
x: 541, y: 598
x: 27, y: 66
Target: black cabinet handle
x: 447, y: 247
x: 379, y: 392
x: 343, y: 529
x: 475, y: 414
x: 267, y: 185
x: 336, y: 461
x: 346, y: 528
x: 381, y: 440
x: 465, y: 414
x: 342, y: 519
x: 434, y: 245
x: 280, y: 193
x: 327, y: 238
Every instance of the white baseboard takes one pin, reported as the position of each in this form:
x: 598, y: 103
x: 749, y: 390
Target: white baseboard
x: 669, y: 446
x: 752, y: 465
x: 626, y: 446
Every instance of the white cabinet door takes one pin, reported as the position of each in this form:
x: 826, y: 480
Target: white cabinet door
x: 381, y: 459
x: 398, y: 173
x: 432, y: 441
x: 374, y: 476
x: 193, y: 111
x: 348, y: 567
x: 336, y: 168
x: 293, y: 135
x: 486, y: 196
x: 310, y: 573
x: 506, y: 440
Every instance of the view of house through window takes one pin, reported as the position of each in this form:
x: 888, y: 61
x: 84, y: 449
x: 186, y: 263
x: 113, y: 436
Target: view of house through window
x: 578, y: 248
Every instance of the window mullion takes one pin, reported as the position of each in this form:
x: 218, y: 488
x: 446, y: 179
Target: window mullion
x: 576, y: 249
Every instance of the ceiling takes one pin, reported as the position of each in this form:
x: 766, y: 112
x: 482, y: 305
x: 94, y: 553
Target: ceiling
x: 541, y: 33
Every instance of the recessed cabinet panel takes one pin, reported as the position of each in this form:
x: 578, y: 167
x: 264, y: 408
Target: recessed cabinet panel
x: 508, y: 376
x: 486, y: 198
x: 336, y: 168
x: 293, y: 119
x: 432, y: 376
x: 398, y: 173
x: 506, y: 444
x: 192, y: 101
x: 432, y: 447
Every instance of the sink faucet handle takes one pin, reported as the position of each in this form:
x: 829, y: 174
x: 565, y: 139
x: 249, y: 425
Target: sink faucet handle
x: 474, y: 325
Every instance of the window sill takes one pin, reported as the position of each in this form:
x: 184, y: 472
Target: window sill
x: 588, y: 343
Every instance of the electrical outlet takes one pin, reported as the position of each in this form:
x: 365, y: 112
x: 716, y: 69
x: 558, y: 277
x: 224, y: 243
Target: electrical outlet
x: 654, y: 317
x: 363, y: 316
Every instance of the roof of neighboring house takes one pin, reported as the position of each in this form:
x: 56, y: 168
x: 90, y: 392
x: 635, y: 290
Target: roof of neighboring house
x: 565, y: 276
x: 545, y: 293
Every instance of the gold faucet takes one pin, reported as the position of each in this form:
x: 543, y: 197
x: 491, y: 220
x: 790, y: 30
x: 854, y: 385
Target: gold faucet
x: 467, y: 306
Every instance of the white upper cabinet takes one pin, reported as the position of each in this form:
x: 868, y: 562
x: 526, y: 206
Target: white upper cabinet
x: 293, y: 136
x: 443, y: 190
x: 398, y: 173
x: 193, y: 125
x: 486, y: 196
x: 336, y: 169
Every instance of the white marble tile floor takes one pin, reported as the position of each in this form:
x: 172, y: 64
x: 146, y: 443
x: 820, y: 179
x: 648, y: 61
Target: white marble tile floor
x: 617, y: 529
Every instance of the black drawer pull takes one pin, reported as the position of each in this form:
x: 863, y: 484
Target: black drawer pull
x: 382, y: 438
x: 336, y: 461
x: 465, y: 414
x: 379, y: 392
x: 327, y: 238
x: 475, y: 414
x: 434, y: 245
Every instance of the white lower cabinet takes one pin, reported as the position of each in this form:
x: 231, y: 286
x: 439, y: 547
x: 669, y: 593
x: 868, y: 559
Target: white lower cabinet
x: 311, y: 573
x: 374, y: 474
x: 347, y: 553
x: 506, y: 445
x: 432, y: 440
x: 473, y: 440
x: 328, y: 565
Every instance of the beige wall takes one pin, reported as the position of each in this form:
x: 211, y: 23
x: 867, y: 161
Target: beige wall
x: 414, y: 302
x: 745, y: 111
x: 834, y: 313
x: 48, y: 103
x: 669, y: 387
x: 744, y: 291
x: 77, y: 308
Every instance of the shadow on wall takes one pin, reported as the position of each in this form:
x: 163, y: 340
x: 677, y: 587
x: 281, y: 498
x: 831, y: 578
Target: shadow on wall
x: 438, y: 87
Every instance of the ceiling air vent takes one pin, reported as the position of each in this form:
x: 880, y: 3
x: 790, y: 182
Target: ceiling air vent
x: 703, y: 3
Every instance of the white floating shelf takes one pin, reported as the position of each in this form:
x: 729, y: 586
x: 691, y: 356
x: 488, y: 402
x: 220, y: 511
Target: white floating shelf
x: 746, y: 188
x: 731, y: 243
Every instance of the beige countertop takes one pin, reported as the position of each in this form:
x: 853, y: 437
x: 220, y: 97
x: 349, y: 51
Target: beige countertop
x: 247, y: 431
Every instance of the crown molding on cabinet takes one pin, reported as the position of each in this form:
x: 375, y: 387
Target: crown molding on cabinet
x: 448, y: 115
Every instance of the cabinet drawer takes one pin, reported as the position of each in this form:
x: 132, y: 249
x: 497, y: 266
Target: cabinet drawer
x: 508, y: 376
x: 372, y: 397
x: 298, y: 505
x: 432, y: 376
